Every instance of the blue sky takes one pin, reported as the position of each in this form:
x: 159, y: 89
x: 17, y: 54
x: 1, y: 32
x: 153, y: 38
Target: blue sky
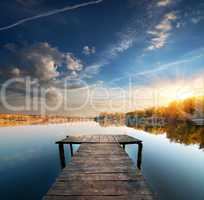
x: 102, y: 42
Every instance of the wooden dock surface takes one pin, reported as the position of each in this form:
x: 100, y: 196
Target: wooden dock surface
x: 100, y: 170
x: 121, y: 139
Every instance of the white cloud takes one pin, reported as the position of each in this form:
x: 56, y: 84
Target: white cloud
x: 91, y: 70
x: 161, y: 32
x: 73, y: 63
x: 88, y: 50
x: 15, y: 72
x: 41, y: 61
x: 162, y: 3
x: 46, y: 68
x: 53, y: 95
x: 196, y: 20
x: 126, y: 40
x: 170, y: 16
x: 164, y: 26
x: 178, y: 25
x: 125, y: 44
x: 158, y: 41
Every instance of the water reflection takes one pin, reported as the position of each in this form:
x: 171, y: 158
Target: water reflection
x: 181, y: 132
x: 29, y: 160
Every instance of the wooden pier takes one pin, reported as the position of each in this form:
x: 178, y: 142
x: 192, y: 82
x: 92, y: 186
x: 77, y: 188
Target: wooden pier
x: 100, y: 170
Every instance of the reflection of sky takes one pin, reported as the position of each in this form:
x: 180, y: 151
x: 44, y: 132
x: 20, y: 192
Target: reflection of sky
x: 28, y: 157
x: 174, y: 170
x: 23, y: 143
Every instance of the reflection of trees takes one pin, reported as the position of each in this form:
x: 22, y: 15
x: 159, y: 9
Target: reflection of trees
x: 179, y: 119
x: 110, y: 119
x: 180, y: 132
x: 23, y: 119
x: 184, y: 133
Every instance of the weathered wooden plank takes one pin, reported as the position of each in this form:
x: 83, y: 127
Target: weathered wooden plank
x: 95, y: 164
x: 98, y: 162
x: 99, y: 176
x: 100, y: 158
x: 121, y: 197
x: 107, y: 169
x: 91, y: 188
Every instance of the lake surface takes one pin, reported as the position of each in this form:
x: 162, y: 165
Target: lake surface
x: 29, y: 161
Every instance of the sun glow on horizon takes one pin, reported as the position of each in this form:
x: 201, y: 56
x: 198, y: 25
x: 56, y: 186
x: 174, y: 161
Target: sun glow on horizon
x: 178, y: 90
x: 184, y: 96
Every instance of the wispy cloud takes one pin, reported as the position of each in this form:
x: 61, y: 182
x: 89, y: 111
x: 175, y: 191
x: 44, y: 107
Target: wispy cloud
x: 126, y: 38
x: 125, y: 43
x: 49, y: 13
x: 91, y: 71
x: 163, y: 2
x: 196, y: 20
x: 168, y: 65
x: 131, y: 33
x: 161, y: 31
x: 88, y: 50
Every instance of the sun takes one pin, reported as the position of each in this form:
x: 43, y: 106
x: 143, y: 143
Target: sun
x: 185, y: 95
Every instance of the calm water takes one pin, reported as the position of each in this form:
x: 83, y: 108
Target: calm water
x: 29, y: 161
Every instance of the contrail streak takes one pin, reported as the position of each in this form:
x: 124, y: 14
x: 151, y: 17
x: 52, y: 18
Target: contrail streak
x: 49, y: 13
